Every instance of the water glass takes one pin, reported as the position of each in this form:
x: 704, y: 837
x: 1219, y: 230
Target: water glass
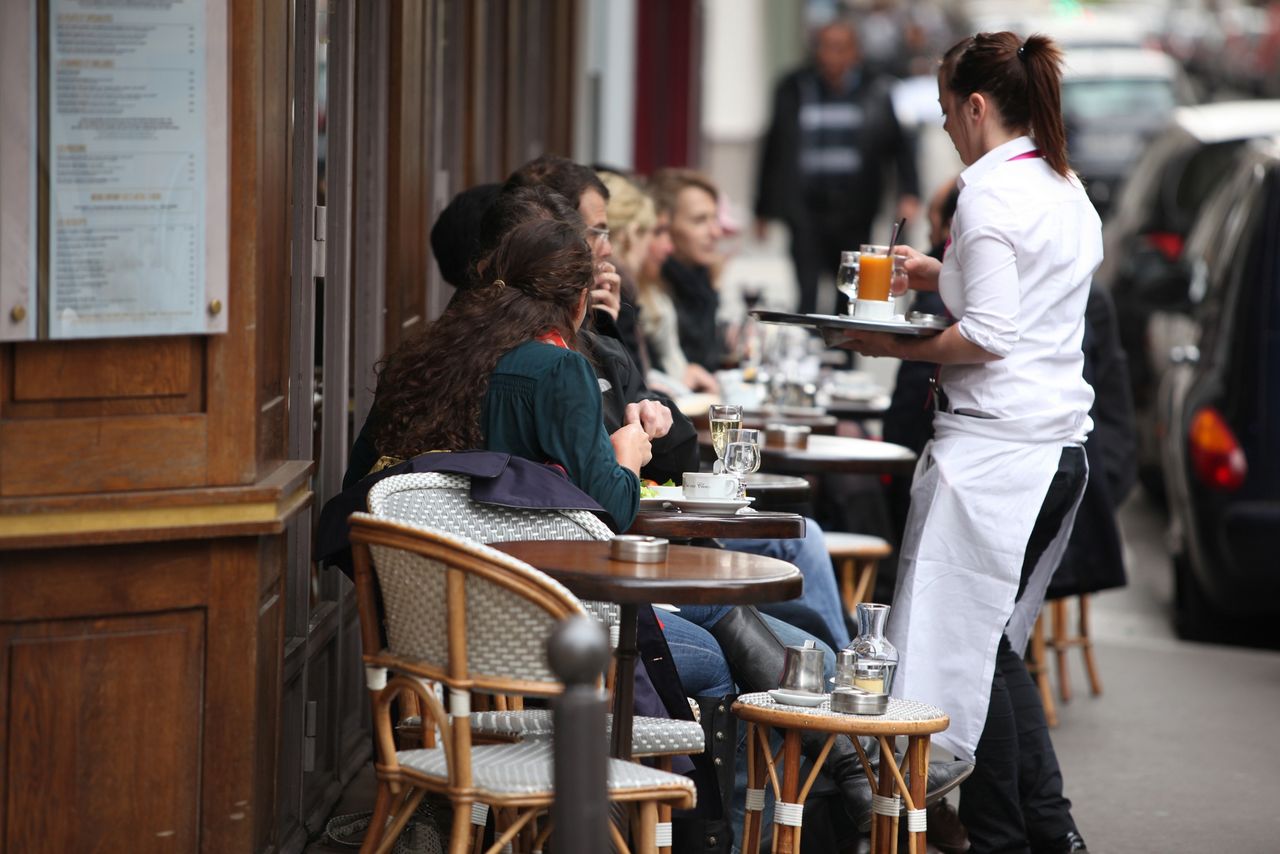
x: 742, y: 455
x: 847, y: 276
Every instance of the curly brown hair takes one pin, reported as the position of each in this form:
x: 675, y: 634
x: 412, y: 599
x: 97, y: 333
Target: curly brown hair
x: 431, y: 388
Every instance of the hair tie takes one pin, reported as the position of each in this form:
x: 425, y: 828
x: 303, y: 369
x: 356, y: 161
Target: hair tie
x: 499, y: 284
x: 1022, y: 52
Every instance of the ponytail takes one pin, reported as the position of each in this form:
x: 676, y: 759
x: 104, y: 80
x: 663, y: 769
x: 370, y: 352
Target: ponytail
x: 1024, y: 79
x: 1043, y: 60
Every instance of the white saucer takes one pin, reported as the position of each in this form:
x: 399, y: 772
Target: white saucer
x: 797, y: 698
x: 721, y: 506
x: 654, y: 503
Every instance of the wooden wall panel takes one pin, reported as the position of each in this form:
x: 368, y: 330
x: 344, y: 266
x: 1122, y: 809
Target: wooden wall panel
x: 131, y: 367
x: 83, y: 455
x: 261, y: 134
x: 65, y: 584
x: 408, y: 185
x: 101, y: 714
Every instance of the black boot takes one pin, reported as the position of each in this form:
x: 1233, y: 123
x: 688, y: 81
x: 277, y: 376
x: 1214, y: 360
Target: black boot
x: 756, y: 657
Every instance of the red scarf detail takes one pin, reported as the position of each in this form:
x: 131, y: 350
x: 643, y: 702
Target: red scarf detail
x: 554, y: 338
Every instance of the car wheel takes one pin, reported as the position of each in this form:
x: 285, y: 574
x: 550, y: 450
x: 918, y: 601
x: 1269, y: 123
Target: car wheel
x: 1193, y: 616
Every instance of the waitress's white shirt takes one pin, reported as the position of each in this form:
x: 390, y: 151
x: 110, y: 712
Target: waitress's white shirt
x: 1024, y: 245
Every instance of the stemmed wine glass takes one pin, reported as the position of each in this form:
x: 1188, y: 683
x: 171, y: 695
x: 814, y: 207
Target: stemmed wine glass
x: 742, y: 455
x: 723, y: 417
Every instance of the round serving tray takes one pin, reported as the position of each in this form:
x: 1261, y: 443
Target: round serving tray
x: 838, y: 322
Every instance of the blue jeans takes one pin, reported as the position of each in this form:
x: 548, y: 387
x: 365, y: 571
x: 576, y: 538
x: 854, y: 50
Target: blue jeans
x: 698, y: 659
x: 819, y: 610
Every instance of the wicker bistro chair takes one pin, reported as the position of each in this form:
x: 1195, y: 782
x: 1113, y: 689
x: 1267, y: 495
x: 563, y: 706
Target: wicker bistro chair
x: 917, y: 721
x: 469, y: 618
x: 443, y: 502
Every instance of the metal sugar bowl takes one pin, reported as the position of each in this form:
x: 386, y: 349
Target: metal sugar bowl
x: 875, y: 660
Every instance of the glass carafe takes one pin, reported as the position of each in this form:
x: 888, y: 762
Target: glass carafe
x: 875, y: 659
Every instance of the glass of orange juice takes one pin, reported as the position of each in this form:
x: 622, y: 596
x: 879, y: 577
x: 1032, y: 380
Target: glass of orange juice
x: 875, y: 272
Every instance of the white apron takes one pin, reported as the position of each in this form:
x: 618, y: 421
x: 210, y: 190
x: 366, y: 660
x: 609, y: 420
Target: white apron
x: 977, y: 491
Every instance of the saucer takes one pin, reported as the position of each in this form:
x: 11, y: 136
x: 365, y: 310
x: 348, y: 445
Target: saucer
x: 788, y: 697
x: 719, y: 506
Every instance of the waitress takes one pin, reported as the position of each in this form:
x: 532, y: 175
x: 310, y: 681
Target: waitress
x: 995, y: 492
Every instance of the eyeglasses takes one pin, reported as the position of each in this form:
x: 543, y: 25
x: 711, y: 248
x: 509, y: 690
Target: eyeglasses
x: 601, y: 234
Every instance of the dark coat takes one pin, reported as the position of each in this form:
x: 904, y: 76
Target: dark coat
x: 697, y: 302
x: 673, y: 454
x: 781, y: 191
x: 1095, y: 556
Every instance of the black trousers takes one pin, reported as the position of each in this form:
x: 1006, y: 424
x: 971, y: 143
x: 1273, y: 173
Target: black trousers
x: 816, y: 244
x: 1013, y: 801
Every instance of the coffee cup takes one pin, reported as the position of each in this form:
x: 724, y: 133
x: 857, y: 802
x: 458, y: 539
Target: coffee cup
x: 706, y: 485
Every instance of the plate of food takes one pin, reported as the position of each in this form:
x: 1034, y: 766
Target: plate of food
x: 655, y: 495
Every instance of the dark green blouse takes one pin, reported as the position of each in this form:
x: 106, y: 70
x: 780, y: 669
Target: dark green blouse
x: 543, y: 404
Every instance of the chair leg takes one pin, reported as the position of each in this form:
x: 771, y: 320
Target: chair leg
x: 1061, y: 643
x: 755, y: 782
x: 867, y: 570
x: 1090, y: 666
x: 1039, y: 671
x: 460, y: 841
x: 645, y: 829
x: 847, y: 587
x: 663, y: 833
x: 378, y: 822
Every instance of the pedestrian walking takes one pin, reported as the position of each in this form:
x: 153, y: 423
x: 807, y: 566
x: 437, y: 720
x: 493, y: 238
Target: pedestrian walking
x: 833, y: 139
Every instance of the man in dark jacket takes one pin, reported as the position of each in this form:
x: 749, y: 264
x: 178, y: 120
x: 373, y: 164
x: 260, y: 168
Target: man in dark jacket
x: 833, y: 136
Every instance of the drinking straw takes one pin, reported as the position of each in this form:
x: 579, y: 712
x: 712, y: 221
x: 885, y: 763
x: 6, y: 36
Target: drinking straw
x: 893, y: 238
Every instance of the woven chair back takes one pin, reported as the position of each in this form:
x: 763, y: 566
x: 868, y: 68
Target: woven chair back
x: 443, y: 502
x: 461, y: 611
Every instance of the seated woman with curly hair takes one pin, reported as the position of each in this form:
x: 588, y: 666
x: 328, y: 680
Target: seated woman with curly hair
x: 501, y: 370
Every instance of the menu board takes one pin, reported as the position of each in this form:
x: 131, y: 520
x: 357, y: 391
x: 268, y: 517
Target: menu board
x: 136, y: 168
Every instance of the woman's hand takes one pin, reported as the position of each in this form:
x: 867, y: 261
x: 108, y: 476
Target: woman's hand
x: 872, y: 343
x: 922, y: 270
x: 632, y: 447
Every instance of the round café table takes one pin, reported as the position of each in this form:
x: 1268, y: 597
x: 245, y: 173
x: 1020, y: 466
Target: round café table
x: 832, y: 454
x: 689, y: 576
x: 683, y: 525
x: 858, y: 409
x: 778, y: 491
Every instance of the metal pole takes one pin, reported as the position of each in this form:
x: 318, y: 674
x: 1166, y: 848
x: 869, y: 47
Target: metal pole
x: 578, y: 652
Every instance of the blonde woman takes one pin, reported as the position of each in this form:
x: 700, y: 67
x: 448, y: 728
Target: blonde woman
x: 641, y: 243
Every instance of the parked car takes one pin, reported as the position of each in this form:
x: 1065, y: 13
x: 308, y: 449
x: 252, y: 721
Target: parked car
x: 1144, y: 238
x: 1220, y: 406
x: 1114, y: 100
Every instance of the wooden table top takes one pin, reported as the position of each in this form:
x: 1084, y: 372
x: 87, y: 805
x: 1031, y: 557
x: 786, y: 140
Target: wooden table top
x: 690, y: 575
x: 763, y: 525
x: 787, y: 487
x: 855, y: 409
